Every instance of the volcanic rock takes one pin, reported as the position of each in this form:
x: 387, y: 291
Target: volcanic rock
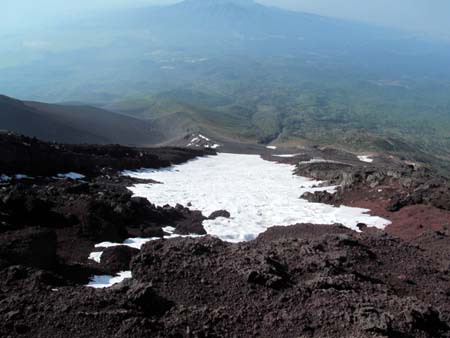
x: 219, y: 213
x: 34, y: 247
x: 118, y: 258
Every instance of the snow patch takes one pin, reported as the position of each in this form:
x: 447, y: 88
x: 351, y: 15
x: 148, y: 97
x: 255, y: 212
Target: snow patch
x: 138, y: 242
x: 214, y: 146
x: 202, y: 141
x: 101, y: 282
x: 71, y: 175
x: 204, y: 137
x: 5, y: 178
x: 287, y: 155
x: 318, y: 160
x: 365, y: 158
x: 96, y: 256
x: 258, y: 194
x: 107, y: 281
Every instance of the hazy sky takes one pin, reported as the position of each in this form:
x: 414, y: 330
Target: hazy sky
x: 427, y: 16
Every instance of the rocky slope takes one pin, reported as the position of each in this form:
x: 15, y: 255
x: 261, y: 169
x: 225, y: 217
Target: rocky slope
x: 53, y: 223
x: 414, y: 196
x: 307, y: 281
x: 298, y: 281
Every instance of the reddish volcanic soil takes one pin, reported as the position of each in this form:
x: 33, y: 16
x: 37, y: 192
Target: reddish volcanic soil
x: 408, y: 223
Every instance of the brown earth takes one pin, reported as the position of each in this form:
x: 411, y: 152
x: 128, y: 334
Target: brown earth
x: 298, y: 281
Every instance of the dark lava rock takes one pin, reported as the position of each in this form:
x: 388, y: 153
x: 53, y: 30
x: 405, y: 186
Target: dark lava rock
x: 324, y: 171
x: 100, y: 220
x: 270, y: 287
x: 35, y: 247
x: 298, y: 281
x: 142, y: 295
x: 322, y: 197
x: 219, y: 213
x: 21, y: 206
x: 118, y: 258
x: 361, y: 226
x: 151, y: 232
x: 272, y: 274
x: 30, y: 156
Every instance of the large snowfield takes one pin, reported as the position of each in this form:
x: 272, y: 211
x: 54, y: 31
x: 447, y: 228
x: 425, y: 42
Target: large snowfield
x: 258, y: 194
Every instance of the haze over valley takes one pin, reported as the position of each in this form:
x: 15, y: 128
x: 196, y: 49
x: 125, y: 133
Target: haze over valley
x: 259, y: 73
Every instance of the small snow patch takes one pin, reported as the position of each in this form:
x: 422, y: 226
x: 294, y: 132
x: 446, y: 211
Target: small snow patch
x: 73, y: 176
x: 22, y: 177
x: 318, y: 160
x: 138, y: 242
x: 214, y: 146
x: 4, y: 178
x: 286, y: 155
x: 101, y: 282
x: 169, y: 230
x: 202, y: 141
x: 96, y: 256
x: 365, y: 158
x: 107, y: 281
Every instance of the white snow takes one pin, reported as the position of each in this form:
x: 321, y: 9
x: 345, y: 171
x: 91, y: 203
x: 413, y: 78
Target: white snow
x: 4, y: 178
x: 213, y: 146
x: 318, y: 160
x: 96, y: 256
x: 204, y: 137
x: 71, y: 175
x: 101, y: 282
x: 271, y: 147
x: 197, y: 142
x: 286, y: 155
x: 138, y: 242
x: 365, y: 158
x: 258, y: 194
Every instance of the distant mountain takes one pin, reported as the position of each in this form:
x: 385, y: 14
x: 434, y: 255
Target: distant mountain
x: 244, y: 26
x: 74, y: 124
x: 107, y: 56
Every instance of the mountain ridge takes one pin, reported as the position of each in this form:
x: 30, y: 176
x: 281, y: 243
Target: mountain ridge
x: 73, y: 124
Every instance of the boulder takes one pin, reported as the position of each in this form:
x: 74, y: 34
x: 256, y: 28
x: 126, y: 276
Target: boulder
x: 118, y: 258
x: 219, y: 213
